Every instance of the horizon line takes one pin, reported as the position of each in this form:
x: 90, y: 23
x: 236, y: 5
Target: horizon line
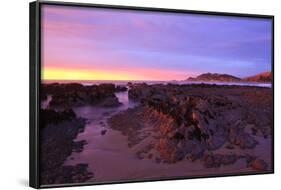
x: 150, y: 79
x: 103, y: 80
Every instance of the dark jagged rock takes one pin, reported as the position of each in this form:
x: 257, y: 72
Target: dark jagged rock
x: 74, y: 94
x: 49, y: 116
x: 120, y: 88
x: 58, y: 130
x: 258, y: 164
x: 217, y: 160
x: 194, y: 119
x: 103, y: 132
x: 43, y: 96
x: 110, y: 101
x: 68, y: 174
x: 238, y: 137
x: 78, y: 146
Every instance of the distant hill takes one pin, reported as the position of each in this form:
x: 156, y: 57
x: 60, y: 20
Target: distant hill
x: 215, y: 77
x: 260, y: 77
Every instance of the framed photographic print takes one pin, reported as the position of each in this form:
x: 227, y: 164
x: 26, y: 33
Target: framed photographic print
x: 131, y: 94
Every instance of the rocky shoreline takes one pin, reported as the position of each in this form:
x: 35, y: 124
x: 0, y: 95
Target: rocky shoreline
x: 75, y: 94
x: 196, y: 121
x: 57, y: 133
x: 204, y: 126
x: 59, y: 127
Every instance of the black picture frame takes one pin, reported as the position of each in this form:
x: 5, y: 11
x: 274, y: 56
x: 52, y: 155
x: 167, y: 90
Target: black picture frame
x: 35, y: 79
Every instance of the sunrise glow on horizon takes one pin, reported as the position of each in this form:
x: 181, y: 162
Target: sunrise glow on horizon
x: 82, y: 43
x: 95, y: 74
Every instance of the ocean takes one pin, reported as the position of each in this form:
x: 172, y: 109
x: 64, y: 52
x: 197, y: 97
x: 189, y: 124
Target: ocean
x: 125, y: 82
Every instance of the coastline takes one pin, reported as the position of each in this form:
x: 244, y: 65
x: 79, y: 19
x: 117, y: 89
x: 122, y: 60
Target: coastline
x: 111, y: 144
x: 178, y: 82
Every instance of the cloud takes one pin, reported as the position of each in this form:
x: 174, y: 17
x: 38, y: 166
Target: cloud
x: 182, y: 43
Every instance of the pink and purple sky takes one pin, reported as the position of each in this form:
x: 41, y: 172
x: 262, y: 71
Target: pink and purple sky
x: 82, y: 43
